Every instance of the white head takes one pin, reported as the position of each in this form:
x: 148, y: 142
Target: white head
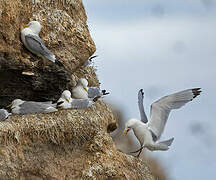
x: 66, y: 95
x: 16, y: 102
x: 130, y: 124
x: 84, y: 83
x: 35, y: 26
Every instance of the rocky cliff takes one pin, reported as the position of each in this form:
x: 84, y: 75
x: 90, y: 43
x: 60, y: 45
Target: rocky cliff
x: 69, y: 144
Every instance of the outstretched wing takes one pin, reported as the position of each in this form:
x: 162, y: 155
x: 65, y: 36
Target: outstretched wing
x: 160, y: 109
x: 143, y: 116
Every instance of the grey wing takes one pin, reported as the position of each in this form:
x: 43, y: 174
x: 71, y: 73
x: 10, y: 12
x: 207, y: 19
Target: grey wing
x: 29, y: 107
x: 93, y: 92
x: 3, y: 114
x: 143, y: 116
x: 36, y: 45
x: 49, y: 103
x: 81, y: 103
x: 160, y: 109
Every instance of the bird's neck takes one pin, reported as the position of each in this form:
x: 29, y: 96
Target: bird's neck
x: 137, y: 123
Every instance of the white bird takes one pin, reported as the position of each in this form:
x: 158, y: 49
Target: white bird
x: 82, y: 91
x: 149, y: 132
x: 32, y: 41
x: 19, y: 106
x: 66, y: 102
x: 4, y: 114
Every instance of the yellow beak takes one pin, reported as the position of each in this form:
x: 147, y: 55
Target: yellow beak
x: 25, y: 25
x: 68, y: 100
x: 9, y: 106
x: 86, y: 89
x: 126, y: 131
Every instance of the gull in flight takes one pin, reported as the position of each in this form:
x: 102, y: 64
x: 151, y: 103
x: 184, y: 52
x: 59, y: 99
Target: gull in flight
x: 32, y: 41
x: 149, y: 132
x: 66, y: 102
x: 4, y: 114
x: 19, y: 106
x: 82, y: 91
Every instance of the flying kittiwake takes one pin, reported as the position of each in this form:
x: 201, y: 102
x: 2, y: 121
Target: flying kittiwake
x: 149, y: 132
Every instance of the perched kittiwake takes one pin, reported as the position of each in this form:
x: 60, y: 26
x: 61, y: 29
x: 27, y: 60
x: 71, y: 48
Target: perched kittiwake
x: 32, y: 41
x: 149, y: 132
x: 19, y: 106
x: 4, y: 114
x: 82, y: 91
x: 67, y: 102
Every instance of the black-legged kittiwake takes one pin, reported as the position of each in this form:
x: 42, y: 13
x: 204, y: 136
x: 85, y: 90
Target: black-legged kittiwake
x: 149, y: 132
x: 67, y: 102
x: 4, y: 114
x: 82, y: 91
x: 19, y: 106
x: 32, y: 41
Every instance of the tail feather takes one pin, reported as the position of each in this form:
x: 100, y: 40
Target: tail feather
x: 162, y: 146
x: 167, y: 142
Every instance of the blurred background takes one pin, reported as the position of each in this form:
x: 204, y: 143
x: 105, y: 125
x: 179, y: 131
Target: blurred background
x: 162, y: 46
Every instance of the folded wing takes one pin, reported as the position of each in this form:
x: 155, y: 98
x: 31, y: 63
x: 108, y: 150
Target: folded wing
x: 81, y: 103
x: 36, y: 45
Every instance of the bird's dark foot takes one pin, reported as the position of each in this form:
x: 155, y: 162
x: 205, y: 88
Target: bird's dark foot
x: 139, y: 150
x: 139, y: 153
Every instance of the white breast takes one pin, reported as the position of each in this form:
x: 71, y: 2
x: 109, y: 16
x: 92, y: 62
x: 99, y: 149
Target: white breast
x: 143, y: 134
x: 79, y: 93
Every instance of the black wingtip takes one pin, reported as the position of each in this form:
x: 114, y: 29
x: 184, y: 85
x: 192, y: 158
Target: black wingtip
x: 141, y: 90
x: 59, y: 103
x: 196, y: 92
x: 104, y: 92
x: 92, y: 57
x: 58, y: 63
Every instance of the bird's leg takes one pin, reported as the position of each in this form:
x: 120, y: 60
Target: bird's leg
x: 139, y: 150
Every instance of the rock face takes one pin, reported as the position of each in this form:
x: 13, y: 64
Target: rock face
x: 64, y: 32
x: 68, y: 144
